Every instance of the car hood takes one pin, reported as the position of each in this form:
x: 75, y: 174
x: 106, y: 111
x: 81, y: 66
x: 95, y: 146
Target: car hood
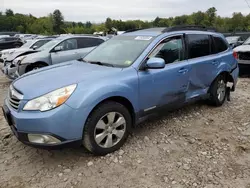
x: 40, y: 82
x: 242, y: 48
x: 9, y: 50
x: 20, y: 52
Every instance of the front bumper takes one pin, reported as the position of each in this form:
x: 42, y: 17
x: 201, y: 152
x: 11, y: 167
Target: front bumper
x: 63, y: 123
x: 10, y: 71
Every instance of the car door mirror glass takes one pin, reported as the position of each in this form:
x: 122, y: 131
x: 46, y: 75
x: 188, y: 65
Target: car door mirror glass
x: 34, y: 47
x: 155, y: 63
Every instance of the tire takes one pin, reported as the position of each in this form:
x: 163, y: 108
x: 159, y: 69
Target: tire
x: 94, y: 139
x: 218, y: 91
x: 34, y: 67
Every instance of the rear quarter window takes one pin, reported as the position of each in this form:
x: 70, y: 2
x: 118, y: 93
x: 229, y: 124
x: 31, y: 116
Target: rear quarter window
x: 89, y: 42
x: 219, y: 45
x: 198, y: 45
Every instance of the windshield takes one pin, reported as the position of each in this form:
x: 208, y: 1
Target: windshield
x: 247, y: 41
x: 50, y: 44
x: 231, y: 40
x: 120, y: 51
x: 27, y: 44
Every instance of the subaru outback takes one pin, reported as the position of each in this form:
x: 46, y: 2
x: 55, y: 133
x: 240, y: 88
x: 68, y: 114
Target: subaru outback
x: 95, y: 101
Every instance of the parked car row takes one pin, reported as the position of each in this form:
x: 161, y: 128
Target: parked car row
x: 235, y: 41
x: 95, y: 100
x: 44, y: 52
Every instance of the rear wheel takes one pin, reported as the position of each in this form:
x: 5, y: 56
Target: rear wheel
x: 218, y: 91
x: 107, y: 128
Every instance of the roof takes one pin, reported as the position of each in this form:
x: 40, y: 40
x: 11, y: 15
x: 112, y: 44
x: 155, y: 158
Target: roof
x: 160, y: 30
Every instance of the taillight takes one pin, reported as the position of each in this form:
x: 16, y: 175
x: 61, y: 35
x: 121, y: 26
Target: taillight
x: 235, y: 55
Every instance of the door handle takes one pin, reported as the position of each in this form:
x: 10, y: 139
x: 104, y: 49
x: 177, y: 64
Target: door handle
x: 183, y: 71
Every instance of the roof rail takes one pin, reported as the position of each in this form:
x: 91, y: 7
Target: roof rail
x: 189, y: 27
x: 131, y: 30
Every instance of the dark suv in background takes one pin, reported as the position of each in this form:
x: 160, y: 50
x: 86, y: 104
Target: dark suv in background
x: 10, y: 42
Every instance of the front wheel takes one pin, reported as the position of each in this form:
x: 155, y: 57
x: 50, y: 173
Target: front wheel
x: 218, y: 91
x: 107, y: 128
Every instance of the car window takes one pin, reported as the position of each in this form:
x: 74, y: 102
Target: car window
x: 198, y: 45
x: 120, y: 51
x: 88, y: 42
x: 171, y: 50
x: 27, y: 44
x: 69, y: 44
x: 232, y: 39
x: 9, y: 39
x: 40, y: 43
x: 219, y: 45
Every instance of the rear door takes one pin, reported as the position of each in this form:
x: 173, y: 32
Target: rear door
x: 86, y: 44
x: 68, y: 51
x: 203, y: 62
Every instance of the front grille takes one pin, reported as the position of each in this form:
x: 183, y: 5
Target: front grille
x: 244, y: 55
x: 14, y: 98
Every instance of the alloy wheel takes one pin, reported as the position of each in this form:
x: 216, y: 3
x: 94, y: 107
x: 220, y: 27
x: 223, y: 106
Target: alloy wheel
x: 110, y: 129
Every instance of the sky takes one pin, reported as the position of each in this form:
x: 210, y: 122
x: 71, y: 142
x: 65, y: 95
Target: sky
x: 98, y: 10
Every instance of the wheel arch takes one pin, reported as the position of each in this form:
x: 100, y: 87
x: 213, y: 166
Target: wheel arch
x: 229, y: 77
x: 119, y: 99
x: 36, y: 63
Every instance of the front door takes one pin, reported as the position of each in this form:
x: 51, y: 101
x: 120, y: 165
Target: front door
x: 167, y: 86
x: 68, y: 51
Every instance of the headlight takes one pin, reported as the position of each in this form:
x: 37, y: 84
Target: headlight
x: 50, y: 100
x: 18, y: 60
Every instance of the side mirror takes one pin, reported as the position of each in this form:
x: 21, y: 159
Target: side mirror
x: 58, y: 48
x: 155, y: 63
x: 34, y: 47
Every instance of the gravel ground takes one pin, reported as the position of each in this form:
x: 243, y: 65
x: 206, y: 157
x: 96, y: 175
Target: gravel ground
x: 197, y: 146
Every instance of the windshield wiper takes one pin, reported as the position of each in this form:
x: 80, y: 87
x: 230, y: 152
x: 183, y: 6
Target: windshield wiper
x: 98, y: 63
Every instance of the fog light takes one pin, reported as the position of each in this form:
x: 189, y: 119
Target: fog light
x: 43, y: 139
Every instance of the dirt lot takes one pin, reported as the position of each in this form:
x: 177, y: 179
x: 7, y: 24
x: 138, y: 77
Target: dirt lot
x: 197, y: 146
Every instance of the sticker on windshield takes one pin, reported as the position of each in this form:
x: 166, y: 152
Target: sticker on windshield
x: 143, y: 38
x: 128, y: 62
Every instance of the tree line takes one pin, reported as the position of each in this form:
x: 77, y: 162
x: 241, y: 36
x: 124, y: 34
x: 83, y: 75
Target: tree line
x: 54, y: 23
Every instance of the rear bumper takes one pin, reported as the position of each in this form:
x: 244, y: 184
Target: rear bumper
x: 235, y: 74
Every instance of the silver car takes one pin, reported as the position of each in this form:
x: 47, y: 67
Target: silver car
x: 56, y: 51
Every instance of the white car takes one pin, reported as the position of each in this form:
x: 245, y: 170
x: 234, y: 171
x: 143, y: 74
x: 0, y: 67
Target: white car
x: 30, y: 44
x: 243, y: 53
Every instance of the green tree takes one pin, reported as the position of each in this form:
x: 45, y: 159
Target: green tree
x: 211, y: 13
x: 9, y: 12
x: 108, y: 24
x: 58, y: 22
